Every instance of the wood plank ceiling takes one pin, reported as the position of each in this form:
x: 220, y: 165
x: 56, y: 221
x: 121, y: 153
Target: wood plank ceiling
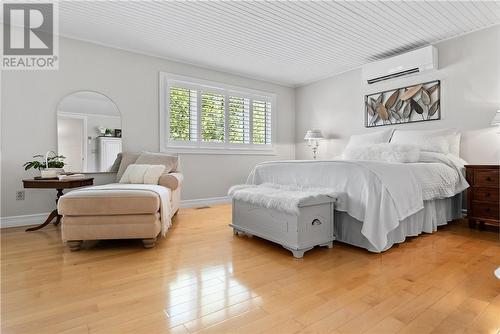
x: 291, y: 43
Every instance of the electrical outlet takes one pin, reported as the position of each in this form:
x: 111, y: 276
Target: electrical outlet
x: 20, y: 195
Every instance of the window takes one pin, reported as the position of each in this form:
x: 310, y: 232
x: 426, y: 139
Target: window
x: 183, y: 120
x: 212, y: 117
x: 239, y: 120
x: 261, y: 119
x: 208, y: 116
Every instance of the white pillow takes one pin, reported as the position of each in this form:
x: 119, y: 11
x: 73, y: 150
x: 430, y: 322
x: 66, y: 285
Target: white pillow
x: 153, y: 174
x: 383, y: 152
x: 142, y: 174
x: 370, y: 138
x: 454, y: 142
x: 434, y: 144
x: 452, y: 136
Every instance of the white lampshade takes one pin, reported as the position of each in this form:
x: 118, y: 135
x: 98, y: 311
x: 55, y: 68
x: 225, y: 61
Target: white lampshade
x: 496, y: 119
x: 313, y: 134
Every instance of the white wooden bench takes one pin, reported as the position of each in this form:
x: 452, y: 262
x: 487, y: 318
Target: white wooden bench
x: 311, y: 225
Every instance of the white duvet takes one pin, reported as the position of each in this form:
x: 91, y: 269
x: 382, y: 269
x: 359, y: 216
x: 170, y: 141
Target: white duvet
x: 380, y: 194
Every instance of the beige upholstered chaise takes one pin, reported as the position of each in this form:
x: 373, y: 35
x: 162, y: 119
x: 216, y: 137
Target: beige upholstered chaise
x: 121, y: 213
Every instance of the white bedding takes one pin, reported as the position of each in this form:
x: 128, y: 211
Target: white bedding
x: 439, y: 175
x: 380, y: 194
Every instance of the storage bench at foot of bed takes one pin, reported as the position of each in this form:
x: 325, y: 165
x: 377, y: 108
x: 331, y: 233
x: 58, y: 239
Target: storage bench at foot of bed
x: 297, y: 233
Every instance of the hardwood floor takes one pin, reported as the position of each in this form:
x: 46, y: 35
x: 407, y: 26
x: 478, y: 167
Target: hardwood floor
x: 202, y: 278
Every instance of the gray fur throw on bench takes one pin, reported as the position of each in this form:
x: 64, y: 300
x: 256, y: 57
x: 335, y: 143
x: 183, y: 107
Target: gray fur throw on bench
x: 286, y: 198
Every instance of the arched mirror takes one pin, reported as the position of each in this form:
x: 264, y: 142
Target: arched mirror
x: 89, y: 132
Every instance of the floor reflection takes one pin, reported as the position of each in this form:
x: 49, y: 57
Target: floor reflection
x: 209, y: 289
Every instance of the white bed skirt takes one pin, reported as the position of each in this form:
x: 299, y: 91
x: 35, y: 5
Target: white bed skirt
x: 435, y: 213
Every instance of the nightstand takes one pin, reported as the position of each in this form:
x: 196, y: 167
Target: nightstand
x: 483, y: 194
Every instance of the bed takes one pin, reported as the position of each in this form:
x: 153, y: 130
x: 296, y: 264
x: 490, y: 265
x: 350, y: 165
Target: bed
x: 380, y: 202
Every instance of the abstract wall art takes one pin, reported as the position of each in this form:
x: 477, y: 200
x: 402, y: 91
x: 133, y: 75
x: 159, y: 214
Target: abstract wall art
x: 417, y: 103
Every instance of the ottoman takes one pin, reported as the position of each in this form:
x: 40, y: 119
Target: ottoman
x: 110, y: 214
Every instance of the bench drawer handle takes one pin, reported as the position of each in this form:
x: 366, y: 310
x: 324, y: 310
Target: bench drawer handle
x: 316, y: 222
x: 487, y: 195
x: 488, y: 178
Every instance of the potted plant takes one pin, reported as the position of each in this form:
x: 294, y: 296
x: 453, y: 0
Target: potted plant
x: 49, y: 167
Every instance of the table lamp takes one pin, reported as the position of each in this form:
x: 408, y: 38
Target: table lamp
x: 313, y: 137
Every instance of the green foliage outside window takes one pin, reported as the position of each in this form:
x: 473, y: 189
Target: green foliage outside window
x: 238, y: 120
x: 179, y: 114
x: 259, y: 122
x: 212, y: 117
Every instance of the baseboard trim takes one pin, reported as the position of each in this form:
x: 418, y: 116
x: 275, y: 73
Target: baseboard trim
x: 24, y: 220
x: 38, y: 218
x: 192, y: 203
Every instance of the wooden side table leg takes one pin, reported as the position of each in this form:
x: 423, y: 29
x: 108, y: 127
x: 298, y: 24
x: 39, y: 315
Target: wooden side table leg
x: 47, y: 221
x: 52, y: 215
x: 59, y: 194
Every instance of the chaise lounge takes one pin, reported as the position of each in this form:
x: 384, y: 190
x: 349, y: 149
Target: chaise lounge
x: 123, y: 211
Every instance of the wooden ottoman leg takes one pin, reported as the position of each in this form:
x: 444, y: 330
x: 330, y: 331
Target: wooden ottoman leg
x: 74, y: 245
x: 149, y: 243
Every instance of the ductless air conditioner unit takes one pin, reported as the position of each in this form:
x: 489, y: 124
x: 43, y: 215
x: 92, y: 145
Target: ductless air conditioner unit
x: 418, y: 61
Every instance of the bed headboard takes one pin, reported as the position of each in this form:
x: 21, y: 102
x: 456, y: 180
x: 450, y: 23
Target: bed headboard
x: 480, y: 146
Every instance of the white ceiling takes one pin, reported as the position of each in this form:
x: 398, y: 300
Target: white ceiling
x: 292, y: 43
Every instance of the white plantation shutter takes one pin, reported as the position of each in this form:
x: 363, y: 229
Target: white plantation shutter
x: 239, y: 120
x: 211, y: 117
x: 183, y: 114
x: 261, y: 122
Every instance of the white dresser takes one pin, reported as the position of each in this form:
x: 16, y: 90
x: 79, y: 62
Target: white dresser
x: 107, y: 151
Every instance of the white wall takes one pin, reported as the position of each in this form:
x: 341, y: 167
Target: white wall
x: 28, y: 122
x: 470, y: 95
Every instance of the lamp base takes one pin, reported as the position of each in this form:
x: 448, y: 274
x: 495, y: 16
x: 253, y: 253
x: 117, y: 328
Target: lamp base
x: 314, y: 146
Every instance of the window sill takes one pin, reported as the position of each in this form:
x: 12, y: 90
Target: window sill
x: 217, y: 151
